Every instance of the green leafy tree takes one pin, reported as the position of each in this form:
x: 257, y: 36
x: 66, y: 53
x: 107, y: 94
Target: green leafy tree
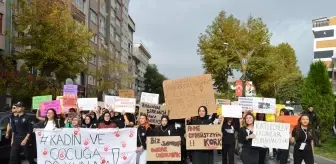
x: 228, y: 37
x: 290, y: 89
x: 50, y: 39
x: 153, y: 81
x: 317, y: 91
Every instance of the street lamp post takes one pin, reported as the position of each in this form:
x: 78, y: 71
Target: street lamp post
x: 244, y: 59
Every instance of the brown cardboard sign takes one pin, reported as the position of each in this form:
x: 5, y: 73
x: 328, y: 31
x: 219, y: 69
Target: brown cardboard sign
x: 204, y: 137
x: 184, y: 96
x: 154, y: 112
x: 167, y: 148
x: 126, y: 93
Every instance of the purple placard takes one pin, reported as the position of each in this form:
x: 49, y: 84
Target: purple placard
x: 44, y: 106
x: 70, y: 90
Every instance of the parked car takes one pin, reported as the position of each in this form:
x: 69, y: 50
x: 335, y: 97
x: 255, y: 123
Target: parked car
x: 5, y: 144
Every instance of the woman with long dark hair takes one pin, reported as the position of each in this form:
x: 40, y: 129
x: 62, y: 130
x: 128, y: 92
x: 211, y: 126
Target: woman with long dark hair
x: 302, y: 135
x: 51, y: 121
x: 202, y: 156
x: 144, y: 130
x: 250, y: 154
x: 228, y: 141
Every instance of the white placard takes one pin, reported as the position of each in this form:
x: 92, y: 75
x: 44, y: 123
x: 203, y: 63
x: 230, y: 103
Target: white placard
x: 151, y: 98
x: 246, y: 102
x: 264, y: 105
x: 232, y: 111
x: 124, y: 104
x: 271, y: 135
x: 109, y: 101
x: 87, y: 103
x: 84, y: 145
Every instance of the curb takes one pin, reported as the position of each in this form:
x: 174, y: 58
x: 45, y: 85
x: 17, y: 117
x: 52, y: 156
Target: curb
x: 323, y: 158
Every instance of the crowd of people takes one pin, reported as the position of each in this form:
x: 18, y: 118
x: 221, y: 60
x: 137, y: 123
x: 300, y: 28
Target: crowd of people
x: 234, y: 131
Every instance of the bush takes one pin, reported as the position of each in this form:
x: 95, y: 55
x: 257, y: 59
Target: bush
x: 317, y: 90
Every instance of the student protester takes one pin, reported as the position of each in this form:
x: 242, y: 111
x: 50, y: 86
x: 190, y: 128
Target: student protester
x: 314, y: 123
x: 144, y: 130
x: 302, y: 136
x: 22, y: 128
x: 202, y: 156
x: 228, y: 141
x: 74, y: 122
x: 179, y: 125
x: 262, y: 151
x: 89, y: 122
x: 283, y: 155
x: 250, y: 154
x: 51, y: 121
x: 165, y: 130
x: 107, y: 122
x: 122, y: 119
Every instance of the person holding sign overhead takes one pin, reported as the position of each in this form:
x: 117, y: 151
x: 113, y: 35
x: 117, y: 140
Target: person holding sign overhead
x: 302, y: 136
x: 250, y: 154
x: 144, y: 130
x: 51, y: 121
x: 202, y: 156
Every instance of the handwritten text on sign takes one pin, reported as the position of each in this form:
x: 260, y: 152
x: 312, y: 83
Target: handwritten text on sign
x: 44, y: 106
x: 124, y: 104
x: 204, y: 137
x: 87, y: 103
x: 271, y: 135
x: 89, y: 146
x: 184, y: 96
x: 153, y: 111
x: 149, y: 98
x: 164, y: 148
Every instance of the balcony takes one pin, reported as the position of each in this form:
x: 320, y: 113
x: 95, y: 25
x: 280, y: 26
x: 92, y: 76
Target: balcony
x: 77, y: 13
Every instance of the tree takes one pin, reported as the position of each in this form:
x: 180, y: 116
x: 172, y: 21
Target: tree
x: 290, y: 89
x: 51, y: 39
x: 317, y: 91
x: 110, y: 74
x: 153, y: 81
x: 227, y: 37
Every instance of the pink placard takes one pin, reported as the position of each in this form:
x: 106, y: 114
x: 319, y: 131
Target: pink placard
x: 44, y: 106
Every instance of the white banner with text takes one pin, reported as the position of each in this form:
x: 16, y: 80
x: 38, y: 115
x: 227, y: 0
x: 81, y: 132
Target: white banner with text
x: 89, y: 146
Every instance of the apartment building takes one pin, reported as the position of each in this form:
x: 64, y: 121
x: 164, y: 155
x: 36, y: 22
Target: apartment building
x: 325, y: 45
x: 2, y: 24
x: 142, y: 56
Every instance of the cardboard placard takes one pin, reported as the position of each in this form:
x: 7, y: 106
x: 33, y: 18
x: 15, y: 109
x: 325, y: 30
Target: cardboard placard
x: 220, y: 102
x: 184, y: 96
x: 292, y: 120
x: 126, y: 93
x: 166, y: 148
x: 154, y: 112
x: 271, y: 135
x: 204, y: 137
x: 124, y: 104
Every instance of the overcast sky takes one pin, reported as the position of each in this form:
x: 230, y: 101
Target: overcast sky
x: 170, y: 28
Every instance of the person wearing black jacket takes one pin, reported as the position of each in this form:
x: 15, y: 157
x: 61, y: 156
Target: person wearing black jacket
x: 165, y: 130
x: 228, y: 141
x: 250, y: 154
x: 315, y: 124
x: 22, y: 128
x: 202, y: 156
x: 144, y: 130
x: 89, y: 122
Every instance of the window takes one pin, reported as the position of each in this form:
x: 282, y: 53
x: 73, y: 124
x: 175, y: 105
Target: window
x: 94, y: 39
x: 102, y: 23
x: 79, y: 4
x: 91, y: 80
x: 117, y: 38
x: 111, y: 31
x: 93, y: 17
x: 118, y: 23
x: 93, y: 59
x: 1, y: 19
x: 117, y: 54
